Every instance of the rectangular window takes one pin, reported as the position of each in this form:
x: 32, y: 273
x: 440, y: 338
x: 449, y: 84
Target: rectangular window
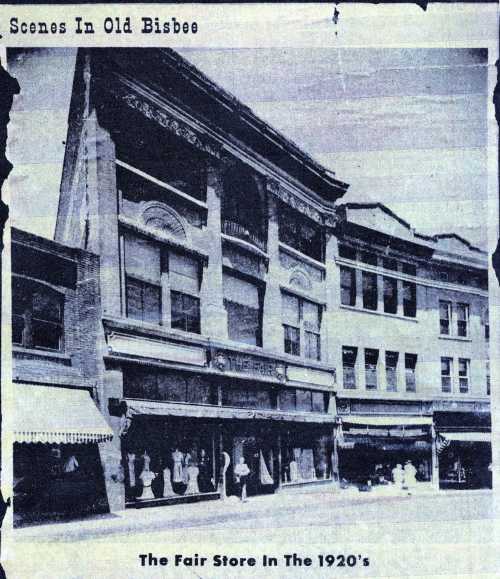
x: 349, y: 356
x: 463, y: 375
x: 142, y: 279
x: 488, y: 380
x: 391, y: 371
x: 368, y: 257
x: 462, y: 320
x: 409, y: 299
x: 247, y: 397
x: 411, y: 372
x: 319, y: 402
x: 444, y: 317
x: 370, y: 294
x: 390, y: 295
x: 301, y: 325
x: 347, y: 252
x: 446, y: 374
x: 304, y: 400
x: 242, y: 301
x: 371, y: 365
x: 286, y: 399
x: 37, y: 315
x: 184, y: 281
x: 347, y: 286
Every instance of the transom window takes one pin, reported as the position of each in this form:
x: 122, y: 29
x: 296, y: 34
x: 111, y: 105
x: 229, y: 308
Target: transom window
x: 37, y: 315
x: 302, y: 327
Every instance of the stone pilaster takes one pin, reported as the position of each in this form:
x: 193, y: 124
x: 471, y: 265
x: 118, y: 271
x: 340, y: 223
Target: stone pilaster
x: 332, y: 286
x: 103, y: 237
x: 213, y: 314
x: 272, y: 329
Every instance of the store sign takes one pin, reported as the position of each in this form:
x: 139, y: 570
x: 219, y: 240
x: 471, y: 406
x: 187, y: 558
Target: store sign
x: 245, y: 364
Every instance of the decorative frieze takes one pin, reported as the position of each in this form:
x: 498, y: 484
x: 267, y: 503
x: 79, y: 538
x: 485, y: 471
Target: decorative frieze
x: 171, y: 123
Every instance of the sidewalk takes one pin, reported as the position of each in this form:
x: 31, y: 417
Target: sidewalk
x: 206, y: 513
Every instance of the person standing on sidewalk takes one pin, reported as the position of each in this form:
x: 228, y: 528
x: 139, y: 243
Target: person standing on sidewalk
x: 410, y: 473
x: 241, y: 472
x: 398, y: 476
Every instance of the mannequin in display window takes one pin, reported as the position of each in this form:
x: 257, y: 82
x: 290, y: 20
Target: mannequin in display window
x: 192, y: 479
x: 168, y: 491
x: 294, y: 471
x: 147, y: 477
x: 177, y: 458
x: 131, y: 468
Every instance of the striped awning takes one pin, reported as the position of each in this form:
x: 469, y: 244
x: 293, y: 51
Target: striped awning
x: 53, y: 415
x: 467, y: 436
x: 146, y: 407
x: 370, y: 420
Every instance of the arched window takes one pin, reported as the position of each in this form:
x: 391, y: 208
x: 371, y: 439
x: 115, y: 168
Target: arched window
x: 243, y: 207
x: 37, y: 315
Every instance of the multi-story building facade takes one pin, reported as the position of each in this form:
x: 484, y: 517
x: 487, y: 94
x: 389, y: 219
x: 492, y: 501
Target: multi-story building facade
x: 57, y: 424
x: 237, y: 310
x: 216, y: 246
x: 412, y: 353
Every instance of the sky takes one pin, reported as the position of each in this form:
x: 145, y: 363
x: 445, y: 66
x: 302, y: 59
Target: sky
x: 404, y: 127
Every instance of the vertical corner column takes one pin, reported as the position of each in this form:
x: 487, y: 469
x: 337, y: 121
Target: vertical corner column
x: 111, y: 452
x: 272, y: 329
x: 434, y: 460
x: 102, y: 193
x: 332, y: 293
x: 213, y: 313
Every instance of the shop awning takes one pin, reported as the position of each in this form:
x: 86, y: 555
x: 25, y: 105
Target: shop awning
x: 146, y: 407
x: 467, y: 436
x: 54, y: 415
x: 368, y: 420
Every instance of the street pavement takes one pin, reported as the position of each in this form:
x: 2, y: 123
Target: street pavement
x: 342, y: 534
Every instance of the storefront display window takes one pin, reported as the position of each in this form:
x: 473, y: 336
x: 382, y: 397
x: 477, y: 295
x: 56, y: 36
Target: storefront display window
x: 306, y: 457
x: 300, y: 400
x: 247, y: 397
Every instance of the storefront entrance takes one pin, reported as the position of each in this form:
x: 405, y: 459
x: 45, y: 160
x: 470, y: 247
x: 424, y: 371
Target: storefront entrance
x: 465, y: 465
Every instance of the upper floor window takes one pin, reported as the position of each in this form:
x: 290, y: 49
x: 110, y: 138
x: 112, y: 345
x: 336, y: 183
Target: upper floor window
x: 153, y: 273
x: 301, y: 233
x: 446, y: 374
x: 297, y: 399
x: 409, y: 269
x: 390, y: 263
x: 243, y: 304
x: 462, y: 320
x: 409, y: 299
x: 349, y: 355
x: 37, y: 315
x: 488, y: 379
x: 301, y: 325
x: 390, y: 295
x: 463, y: 375
x: 371, y: 367
x: 244, y: 207
x: 347, y: 286
x: 411, y: 372
x: 370, y: 294
x: 391, y: 371
x: 184, y: 279
x: 368, y: 257
x: 444, y: 317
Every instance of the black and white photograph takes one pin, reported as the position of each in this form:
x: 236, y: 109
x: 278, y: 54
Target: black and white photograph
x: 249, y: 313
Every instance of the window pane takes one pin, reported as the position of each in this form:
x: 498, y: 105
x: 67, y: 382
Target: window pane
x: 312, y: 349
x: 369, y: 291
x: 200, y: 391
x: 185, y: 312
x: 240, y: 291
x: 390, y: 295
x: 17, y: 329
x: 409, y: 269
x: 243, y: 323
x: 183, y: 273
x: 409, y: 299
x: 368, y: 257
x: 462, y: 320
x: 446, y: 372
x: 287, y: 399
x: 290, y: 310
x: 304, y: 400
x: 391, y: 363
x: 47, y: 306
x: 347, y: 286
x: 142, y: 259
x: 292, y: 340
x: 371, y: 362
x: 172, y: 386
x: 444, y: 317
x: 311, y: 316
x: 410, y: 372
x: 319, y: 402
x: 134, y: 299
x: 348, y: 364
x: 46, y: 335
x: 151, y: 303
x: 143, y: 301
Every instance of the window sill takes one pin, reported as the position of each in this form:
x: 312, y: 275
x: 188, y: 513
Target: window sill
x: 296, y: 253
x: 41, y: 353
x: 455, y: 338
x: 245, y: 245
x: 377, y: 313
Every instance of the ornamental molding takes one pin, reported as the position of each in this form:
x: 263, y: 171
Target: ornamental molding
x: 171, y: 123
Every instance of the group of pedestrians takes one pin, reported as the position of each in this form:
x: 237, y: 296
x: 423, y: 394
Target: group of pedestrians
x: 405, y: 478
